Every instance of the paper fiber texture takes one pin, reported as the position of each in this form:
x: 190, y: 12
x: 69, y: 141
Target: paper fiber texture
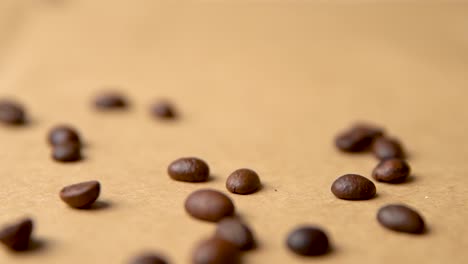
x: 259, y: 84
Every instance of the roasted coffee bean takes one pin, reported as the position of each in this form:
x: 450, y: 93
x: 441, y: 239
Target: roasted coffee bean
x: 66, y: 152
x: 11, y: 113
x: 243, y: 181
x: 353, y: 187
x: 81, y: 195
x: 110, y: 100
x: 189, y: 170
x: 392, y: 171
x: 63, y: 134
x: 387, y: 148
x: 17, y: 236
x: 235, y: 231
x: 401, y: 218
x: 358, y: 138
x: 215, y: 251
x: 163, y: 110
x: 209, y: 205
x: 148, y: 258
x: 308, y: 241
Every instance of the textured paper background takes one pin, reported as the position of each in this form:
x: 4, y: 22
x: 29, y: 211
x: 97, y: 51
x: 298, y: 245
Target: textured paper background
x: 262, y: 84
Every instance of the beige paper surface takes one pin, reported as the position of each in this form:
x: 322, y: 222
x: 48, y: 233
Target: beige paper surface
x: 259, y: 84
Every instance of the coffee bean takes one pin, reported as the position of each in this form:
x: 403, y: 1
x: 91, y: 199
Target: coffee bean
x: 110, y: 100
x: 243, y: 181
x: 17, y: 236
x: 401, y: 218
x: 81, y: 195
x: 308, y: 241
x: 11, y: 113
x: 63, y: 134
x: 189, y: 170
x: 233, y: 230
x: 66, y: 152
x: 387, y: 148
x: 163, y: 110
x: 353, y: 187
x: 392, y: 171
x: 209, y: 205
x: 358, y: 138
x: 215, y: 251
x: 148, y: 258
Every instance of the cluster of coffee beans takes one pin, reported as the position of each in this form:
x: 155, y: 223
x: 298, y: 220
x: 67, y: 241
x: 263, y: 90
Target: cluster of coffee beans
x: 392, y: 168
x: 66, y: 144
x: 232, y: 235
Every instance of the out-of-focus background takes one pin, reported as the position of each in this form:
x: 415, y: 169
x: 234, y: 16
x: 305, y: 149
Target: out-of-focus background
x: 259, y: 84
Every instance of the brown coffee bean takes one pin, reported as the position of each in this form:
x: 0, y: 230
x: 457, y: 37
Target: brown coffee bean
x: 401, y: 218
x: 148, y: 258
x: 233, y: 230
x: 110, y: 100
x: 243, y: 181
x: 308, y: 241
x: 189, y: 170
x: 63, y: 134
x: 215, y: 251
x: 11, y: 113
x: 353, y: 187
x: 17, y: 236
x: 81, y: 195
x: 392, y: 171
x: 163, y: 110
x: 209, y: 205
x: 387, y: 148
x: 66, y: 152
x: 358, y: 138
